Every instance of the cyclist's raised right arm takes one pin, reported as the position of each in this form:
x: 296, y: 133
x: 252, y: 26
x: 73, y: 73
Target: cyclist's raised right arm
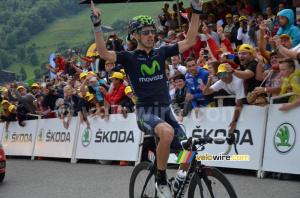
x: 101, y: 45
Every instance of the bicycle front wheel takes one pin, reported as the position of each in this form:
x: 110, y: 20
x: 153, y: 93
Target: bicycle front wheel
x: 214, y: 184
x: 138, y: 180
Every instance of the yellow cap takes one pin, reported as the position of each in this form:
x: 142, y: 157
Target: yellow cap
x: 166, y: 64
x: 3, y: 89
x: 246, y: 47
x: 117, y: 75
x: 228, y: 16
x: 20, y: 87
x: 11, y: 107
x: 88, y: 94
x: 184, y: 25
x: 91, y: 96
x: 95, y: 54
x: 221, y: 68
x: 285, y: 36
x: 127, y: 90
x: 205, y: 67
x: 177, y: 30
x: 243, y: 18
x: 4, y: 101
x: 211, y: 14
x: 82, y: 75
x: 35, y: 85
x: 107, y: 62
x: 91, y: 73
x: 123, y: 72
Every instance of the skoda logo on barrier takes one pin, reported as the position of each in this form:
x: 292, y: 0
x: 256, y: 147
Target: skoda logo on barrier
x: 86, y: 137
x: 285, y: 137
x: 6, y: 139
x: 40, y: 136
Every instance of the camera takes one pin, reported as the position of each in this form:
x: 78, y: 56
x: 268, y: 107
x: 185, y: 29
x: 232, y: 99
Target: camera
x: 230, y: 56
x: 206, y: 57
x: 269, y: 21
x: 206, y: 51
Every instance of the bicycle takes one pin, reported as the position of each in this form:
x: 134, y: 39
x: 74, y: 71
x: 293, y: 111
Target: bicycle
x: 215, y: 182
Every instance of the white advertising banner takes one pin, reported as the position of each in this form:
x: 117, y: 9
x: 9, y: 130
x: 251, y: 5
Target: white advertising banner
x: 1, y: 130
x: 215, y: 122
x: 53, y: 140
x: 117, y: 139
x: 20, y: 140
x: 282, y: 145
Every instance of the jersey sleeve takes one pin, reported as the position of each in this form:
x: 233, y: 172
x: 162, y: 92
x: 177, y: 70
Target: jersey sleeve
x: 171, y: 50
x: 122, y: 57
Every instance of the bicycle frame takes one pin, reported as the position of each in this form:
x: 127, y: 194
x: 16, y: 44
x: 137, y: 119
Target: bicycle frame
x: 195, y: 168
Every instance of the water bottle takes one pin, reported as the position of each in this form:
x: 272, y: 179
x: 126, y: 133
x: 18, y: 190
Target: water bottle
x: 180, y: 177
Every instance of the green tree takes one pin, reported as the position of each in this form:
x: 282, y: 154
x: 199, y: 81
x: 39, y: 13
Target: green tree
x: 21, y: 52
x: 5, y: 59
x: 34, y: 59
x: 30, y: 50
x: 23, y: 73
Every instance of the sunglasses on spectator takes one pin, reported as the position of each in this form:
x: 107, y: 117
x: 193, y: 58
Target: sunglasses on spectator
x: 222, y: 74
x: 146, y: 32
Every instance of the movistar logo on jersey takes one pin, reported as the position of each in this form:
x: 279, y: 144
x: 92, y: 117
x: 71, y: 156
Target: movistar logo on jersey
x: 150, y: 71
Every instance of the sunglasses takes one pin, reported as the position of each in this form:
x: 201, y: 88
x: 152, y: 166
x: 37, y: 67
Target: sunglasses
x: 146, y: 32
x: 222, y: 74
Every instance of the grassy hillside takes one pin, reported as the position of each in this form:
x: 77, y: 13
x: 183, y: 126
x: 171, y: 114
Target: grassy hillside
x: 76, y: 29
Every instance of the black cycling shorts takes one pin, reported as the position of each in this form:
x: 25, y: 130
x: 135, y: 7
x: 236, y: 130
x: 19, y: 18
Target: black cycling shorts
x: 150, y: 116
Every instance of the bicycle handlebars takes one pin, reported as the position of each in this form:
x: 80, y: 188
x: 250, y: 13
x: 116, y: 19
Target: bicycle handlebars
x: 189, y: 143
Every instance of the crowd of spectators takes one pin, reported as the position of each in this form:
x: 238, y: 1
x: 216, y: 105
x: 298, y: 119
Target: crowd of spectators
x: 241, y: 50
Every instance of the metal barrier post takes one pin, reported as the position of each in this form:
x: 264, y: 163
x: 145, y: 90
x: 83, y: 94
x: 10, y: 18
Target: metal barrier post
x: 260, y: 173
x: 73, y: 158
x: 36, y: 134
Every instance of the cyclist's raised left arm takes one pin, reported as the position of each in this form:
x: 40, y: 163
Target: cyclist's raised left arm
x: 191, y: 37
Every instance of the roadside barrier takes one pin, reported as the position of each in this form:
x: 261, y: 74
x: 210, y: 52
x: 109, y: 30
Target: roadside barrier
x: 266, y: 134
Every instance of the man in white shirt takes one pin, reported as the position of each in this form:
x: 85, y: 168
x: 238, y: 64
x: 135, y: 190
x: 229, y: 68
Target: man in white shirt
x: 233, y: 86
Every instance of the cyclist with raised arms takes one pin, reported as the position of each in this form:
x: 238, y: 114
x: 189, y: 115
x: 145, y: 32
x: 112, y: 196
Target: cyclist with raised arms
x: 145, y: 70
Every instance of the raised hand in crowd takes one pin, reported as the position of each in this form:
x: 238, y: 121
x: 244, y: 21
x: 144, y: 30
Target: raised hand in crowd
x: 7, y: 85
x: 228, y: 67
x: 15, y: 85
x: 263, y: 27
x: 223, y: 57
x: 220, y: 32
x: 276, y: 40
x: 205, y: 30
x: 258, y: 56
